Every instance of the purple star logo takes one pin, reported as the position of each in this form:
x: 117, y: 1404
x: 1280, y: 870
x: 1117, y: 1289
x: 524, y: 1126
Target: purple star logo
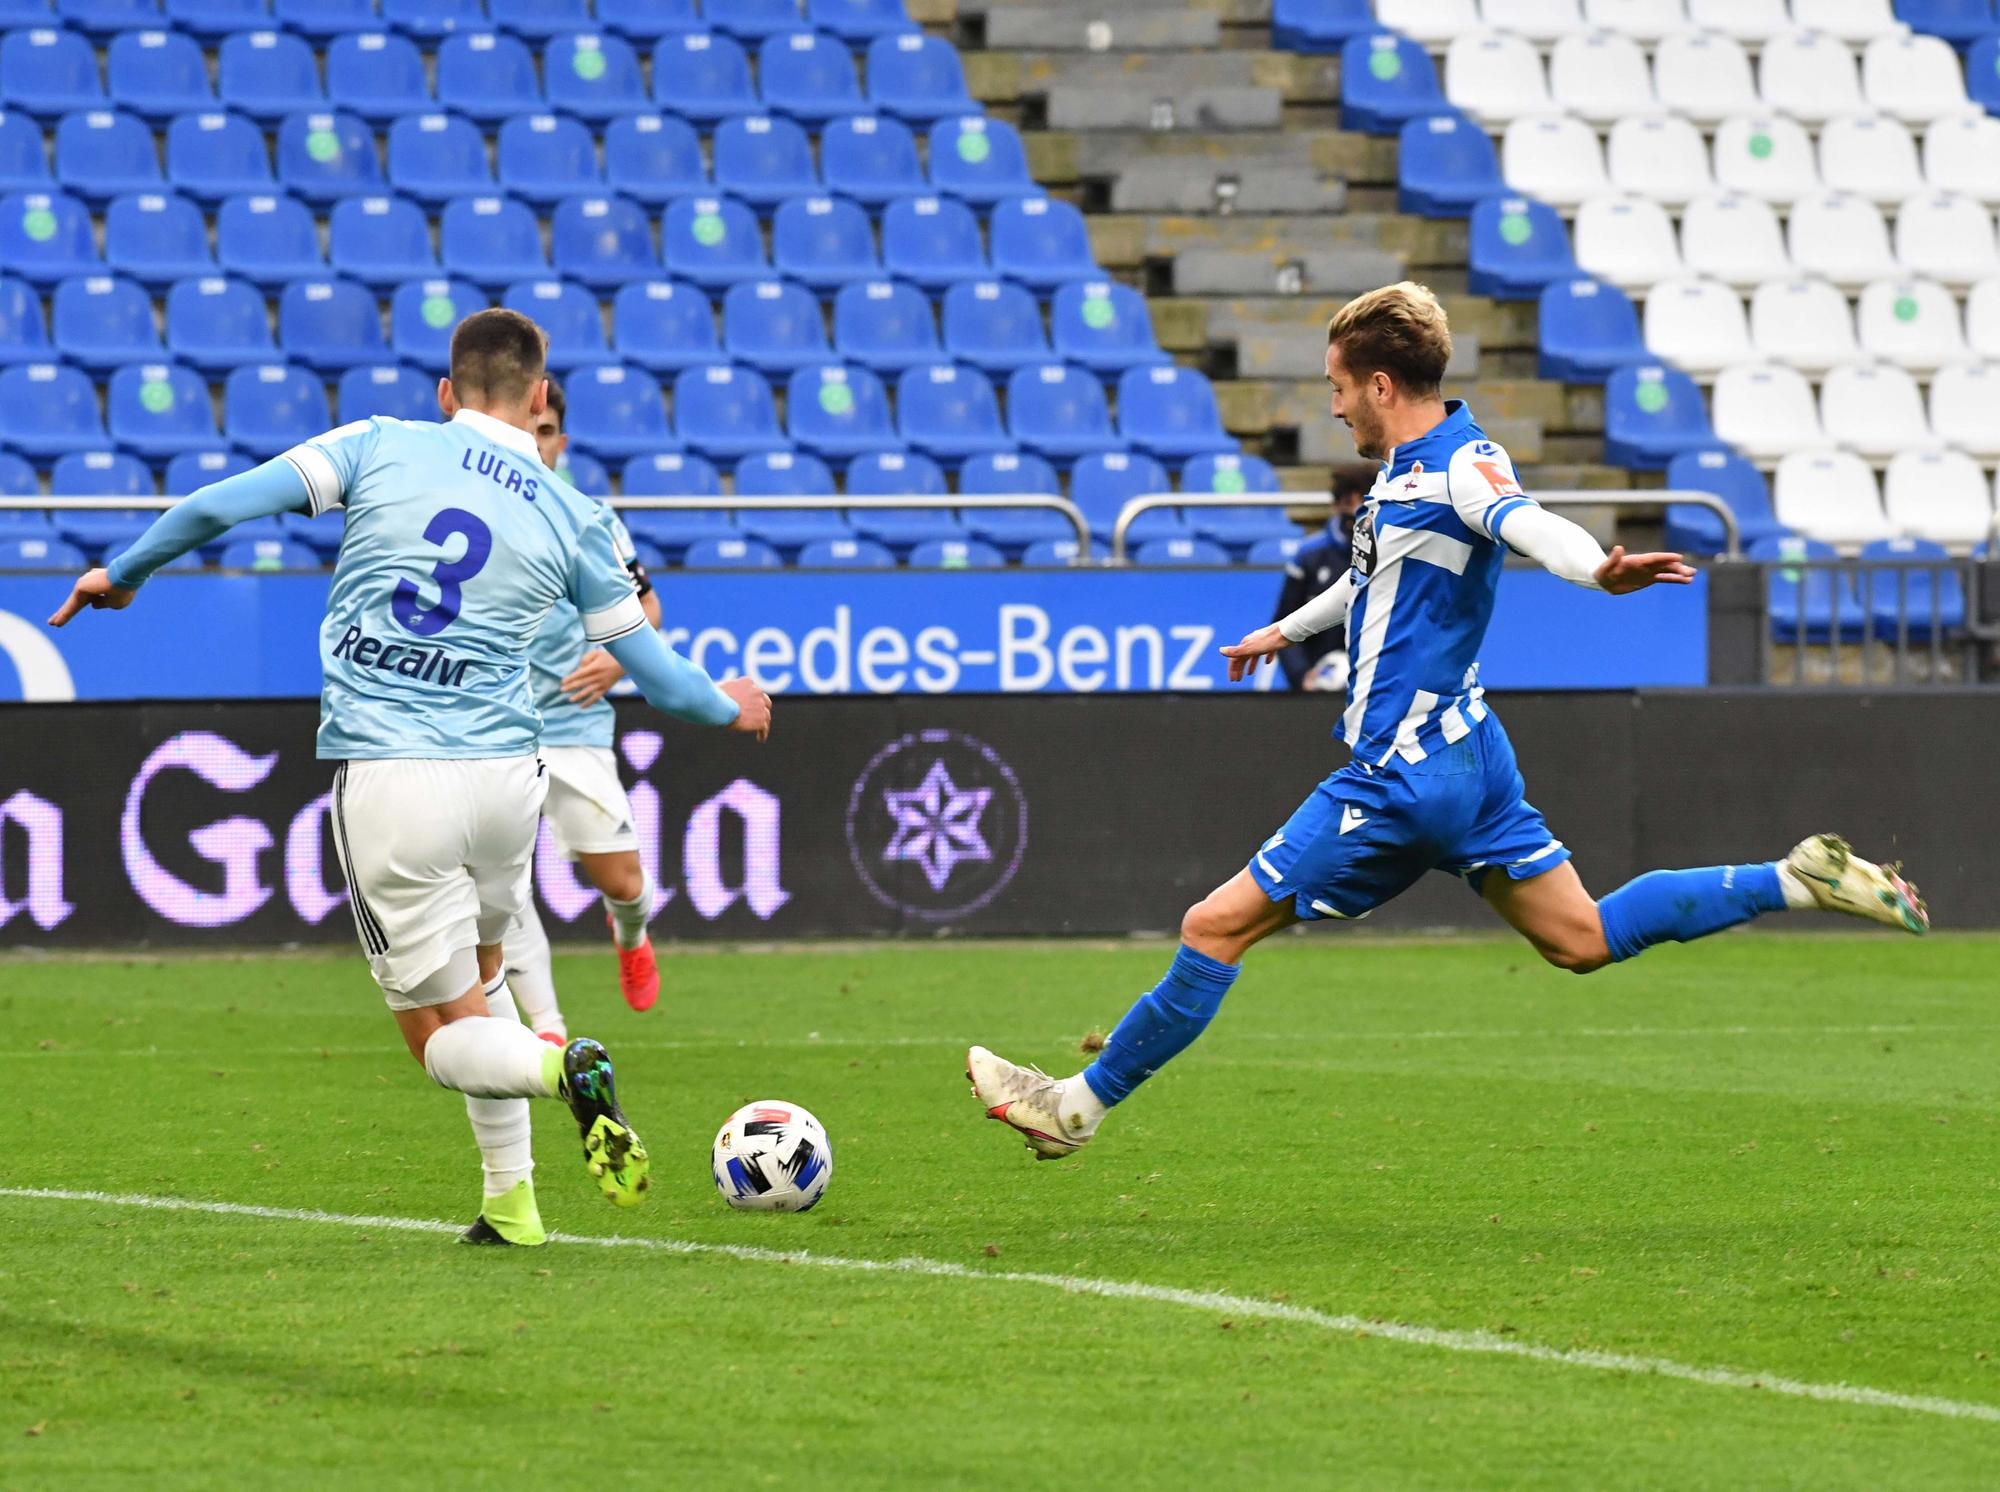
x: 937, y: 825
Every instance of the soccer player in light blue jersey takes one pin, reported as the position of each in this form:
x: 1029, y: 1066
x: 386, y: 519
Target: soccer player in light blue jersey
x: 457, y: 545
x: 1432, y: 783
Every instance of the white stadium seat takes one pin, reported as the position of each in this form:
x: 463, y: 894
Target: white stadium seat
x: 1733, y: 238
x: 1697, y: 325
x: 1913, y: 78
x: 1911, y: 322
x: 1870, y: 155
x: 1947, y: 238
x: 1982, y: 318
x: 1642, y: 20
x: 1963, y: 399
x: 1873, y: 409
x: 1538, y: 20
x: 1766, y: 411
x: 1626, y: 240
x: 1842, y: 238
x: 1746, y: 20
x: 1831, y: 496
x: 1600, y: 77
x: 1962, y: 154
x: 1429, y: 21
x: 1802, y: 322
x: 1848, y: 20
x: 1809, y: 76
x: 1939, y: 495
x: 1765, y: 156
x: 1704, y: 76
x: 1555, y: 158
x: 1659, y: 156
x: 1495, y: 77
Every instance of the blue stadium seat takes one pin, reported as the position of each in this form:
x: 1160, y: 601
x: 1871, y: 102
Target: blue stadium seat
x: 17, y: 479
x: 1807, y: 605
x: 156, y: 238
x: 1652, y: 413
x: 101, y: 153
x: 902, y: 474
x: 857, y: 21
x: 387, y: 388
x: 435, y: 157
x: 45, y: 236
x: 839, y: 412
x: 48, y: 410
x: 871, y: 158
x: 216, y: 155
x: 24, y: 331
x: 1011, y: 474
x: 1386, y: 79
x: 1518, y: 247
x: 1445, y: 164
x: 993, y: 324
x: 40, y: 554
x: 428, y: 20
x: 730, y: 554
x: 979, y: 159
x: 844, y: 554
x: 956, y: 554
x: 267, y: 75
x: 1179, y: 552
x: 885, y: 324
x: 653, y: 158
x: 100, y: 18
x: 1228, y: 474
x: 809, y: 77
x: 593, y: 75
x: 377, y: 75
x: 215, y: 323
x: 46, y: 71
x: 602, y: 241
x: 1060, y: 412
x: 1726, y: 475
x: 157, y: 74
x: 1105, y: 326
x: 675, y: 474
x: 918, y: 78
x: 617, y: 412
x: 160, y: 410
x: 932, y: 240
x: 1908, y: 599
x: 1103, y: 483
x: 486, y: 75
x: 570, y: 315
x: 1171, y: 412
x: 199, y: 469
x: 1275, y: 553
x: 1588, y: 330
x: 321, y: 19
x: 268, y: 555
x: 1982, y: 73
x: 101, y: 474
x: 950, y: 411
x: 546, y: 157
x: 491, y: 240
x: 824, y: 241
x: 1318, y: 25
x: 763, y: 159
x: 422, y: 315
x: 323, y: 157
x: 788, y: 474
x: 647, y: 20
x: 270, y: 407
x: 210, y: 20
x: 330, y: 325
x: 270, y: 240
x: 24, y: 164
x: 725, y: 412
x: 775, y: 326
x: 101, y: 321
x: 665, y: 325
x: 380, y: 241
x: 585, y: 473
x: 1042, y: 242
x: 538, y: 20
x: 754, y: 20
x: 1960, y: 22
x: 712, y: 241
x: 704, y: 77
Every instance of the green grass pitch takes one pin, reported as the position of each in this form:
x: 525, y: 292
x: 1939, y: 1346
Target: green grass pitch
x: 1775, y: 1155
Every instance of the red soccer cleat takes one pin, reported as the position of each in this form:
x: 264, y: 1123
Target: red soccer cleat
x: 638, y: 974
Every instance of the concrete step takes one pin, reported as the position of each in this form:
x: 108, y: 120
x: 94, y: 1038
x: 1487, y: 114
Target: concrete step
x: 1328, y: 440
x: 1062, y: 157
x: 1496, y: 325
x: 1301, y: 354
x: 1255, y: 405
x: 1101, y: 27
x: 1187, y: 187
x: 1137, y: 238
x: 1343, y: 272
x: 1076, y: 107
x: 1009, y: 77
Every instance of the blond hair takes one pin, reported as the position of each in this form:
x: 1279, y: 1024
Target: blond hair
x: 1399, y: 330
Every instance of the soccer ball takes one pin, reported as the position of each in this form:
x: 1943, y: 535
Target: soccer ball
x: 772, y: 1156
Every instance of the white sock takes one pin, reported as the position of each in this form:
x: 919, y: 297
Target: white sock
x: 490, y: 1056
x: 502, y: 1126
x: 1079, y: 1099
x: 531, y: 975
x: 1798, y: 896
x: 629, y: 918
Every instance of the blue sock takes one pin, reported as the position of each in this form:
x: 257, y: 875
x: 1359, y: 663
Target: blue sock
x: 1678, y: 906
x: 1162, y: 1024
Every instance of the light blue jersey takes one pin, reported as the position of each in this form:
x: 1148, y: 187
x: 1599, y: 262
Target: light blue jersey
x: 559, y: 646
x: 459, y: 544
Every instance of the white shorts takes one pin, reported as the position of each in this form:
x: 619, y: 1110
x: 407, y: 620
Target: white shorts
x: 586, y: 808
x: 438, y: 856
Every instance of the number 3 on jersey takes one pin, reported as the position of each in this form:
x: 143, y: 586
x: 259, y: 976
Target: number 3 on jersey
x: 449, y: 575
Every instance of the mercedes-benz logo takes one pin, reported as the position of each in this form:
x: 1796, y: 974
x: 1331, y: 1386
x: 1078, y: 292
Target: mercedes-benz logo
x: 936, y: 825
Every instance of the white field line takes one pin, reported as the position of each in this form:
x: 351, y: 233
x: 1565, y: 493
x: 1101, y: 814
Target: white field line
x: 1211, y: 1301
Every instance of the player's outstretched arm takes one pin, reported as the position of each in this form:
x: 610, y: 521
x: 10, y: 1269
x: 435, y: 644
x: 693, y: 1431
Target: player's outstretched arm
x: 684, y: 690
x: 1328, y: 609
x: 1567, y: 550
x: 1622, y: 573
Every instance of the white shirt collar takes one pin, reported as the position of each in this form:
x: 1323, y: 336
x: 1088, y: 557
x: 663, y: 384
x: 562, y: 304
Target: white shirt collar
x: 511, y: 436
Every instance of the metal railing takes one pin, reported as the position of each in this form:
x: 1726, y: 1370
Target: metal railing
x: 1838, y: 628
x: 1062, y: 505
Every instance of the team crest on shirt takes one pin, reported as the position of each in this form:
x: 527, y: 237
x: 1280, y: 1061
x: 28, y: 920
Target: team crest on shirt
x: 1414, y: 480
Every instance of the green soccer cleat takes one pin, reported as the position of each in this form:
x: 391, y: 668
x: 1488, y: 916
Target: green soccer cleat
x: 1841, y: 881
x: 508, y: 1220
x: 612, y: 1153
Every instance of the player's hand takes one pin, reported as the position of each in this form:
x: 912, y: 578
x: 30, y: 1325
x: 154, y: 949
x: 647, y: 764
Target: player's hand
x: 1265, y: 642
x: 96, y: 591
x: 1623, y: 573
x: 753, y: 705
x: 593, y: 677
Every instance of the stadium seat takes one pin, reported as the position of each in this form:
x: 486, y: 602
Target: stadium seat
x: 45, y: 237
x: 603, y: 241
x: 1765, y: 156
x: 593, y: 75
x: 1806, y: 605
x: 1960, y: 22
x: 1916, y: 594
x: 380, y: 241
x: 731, y: 554
x: 585, y: 473
x: 808, y: 77
x: 1386, y: 80
x: 268, y: 555
x: 156, y: 238
x: 1916, y: 79
x: 330, y: 325
x: 159, y: 410
x: 1518, y: 246
x: 492, y: 241
x: 725, y: 412
x: 39, y: 554
x: 755, y: 19
x: 1276, y: 554
x: 211, y: 20
x: 844, y: 554
x: 1842, y: 238
x: 955, y: 554
x: 215, y: 155
x: 1871, y: 156
x: 995, y: 325
x: 858, y: 21
x: 1802, y: 322
x: 1552, y: 157
x: 1060, y: 412
x: 101, y: 153
x: 1766, y: 411
x: 1495, y: 77
x: 1050, y: 554
x: 917, y: 78
x: 546, y: 157
x: 1661, y: 157
x: 101, y: 321
x: 1445, y: 163
x: 617, y: 412
x: 377, y: 75
x: 215, y: 323
x: 48, y: 410
x: 1982, y: 318
x: 1588, y: 328
x: 712, y: 241
x: 1962, y: 154
x: 435, y: 157
x: 979, y: 159
x: 839, y: 412
x: 1809, y: 76
x: 1830, y: 496
x: 674, y: 474
x: 1319, y: 25
x: 650, y: 158
x: 871, y: 158
x: 323, y: 157
x: 24, y: 164
x: 267, y: 75
x: 705, y: 78
x: 1429, y: 21
x: 24, y: 331
x: 1103, y: 325
x: 422, y: 314
x: 1651, y: 415
x: 774, y: 474
x: 1938, y: 495
x: 1982, y: 72
x: 428, y: 20
x: 763, y: 159
x: 17, y: 479
x: 886, y: 325
x: 46, y: 72
x: 933, y: 241
x: 157, y: 74
x: 1848, y: 20
x: 826, y: 242
x: 902, y: 474
x: 1704, y: 77
x: 1733, y: 238
x: 1946, y: 237
x: 1963, y: 398
x: 774, y: 326
x: 1239, y: 530
x: 323, y: 19
x: 1043, y: 242
x: 269, y: 240
x: 1628, y: 241
x: 1698, y: 325
x: 100, y: 474
x: 1182, y: 553
x: 1171, y: 412
x: 1012, y: 474
x: 1102, y: 484
x: 1600, y: 76
x: 1696, y: 530
x: 950, y: 412
x: 1912, y: 323
x: 571, y: 317
x: 487, y: 76
x: 665, y: 326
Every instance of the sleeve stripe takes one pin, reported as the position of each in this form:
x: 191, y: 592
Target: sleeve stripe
x: 317, y: 471
x: 1496, y: 514
x: 620, y: 620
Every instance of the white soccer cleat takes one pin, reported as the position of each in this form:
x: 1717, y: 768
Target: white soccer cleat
x: 1031, y: 1101
x: 1841, y: 881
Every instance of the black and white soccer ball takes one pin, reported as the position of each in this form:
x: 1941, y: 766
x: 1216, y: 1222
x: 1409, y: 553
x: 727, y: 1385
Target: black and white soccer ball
x: 772, y: 1156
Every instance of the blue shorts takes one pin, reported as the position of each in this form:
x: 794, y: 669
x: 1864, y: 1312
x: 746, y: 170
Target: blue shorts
x: 1367, y: 833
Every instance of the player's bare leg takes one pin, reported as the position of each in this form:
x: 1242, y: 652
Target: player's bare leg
x: 628, y: 905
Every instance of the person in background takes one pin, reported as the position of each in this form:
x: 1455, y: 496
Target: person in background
x: 1320, y: 662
